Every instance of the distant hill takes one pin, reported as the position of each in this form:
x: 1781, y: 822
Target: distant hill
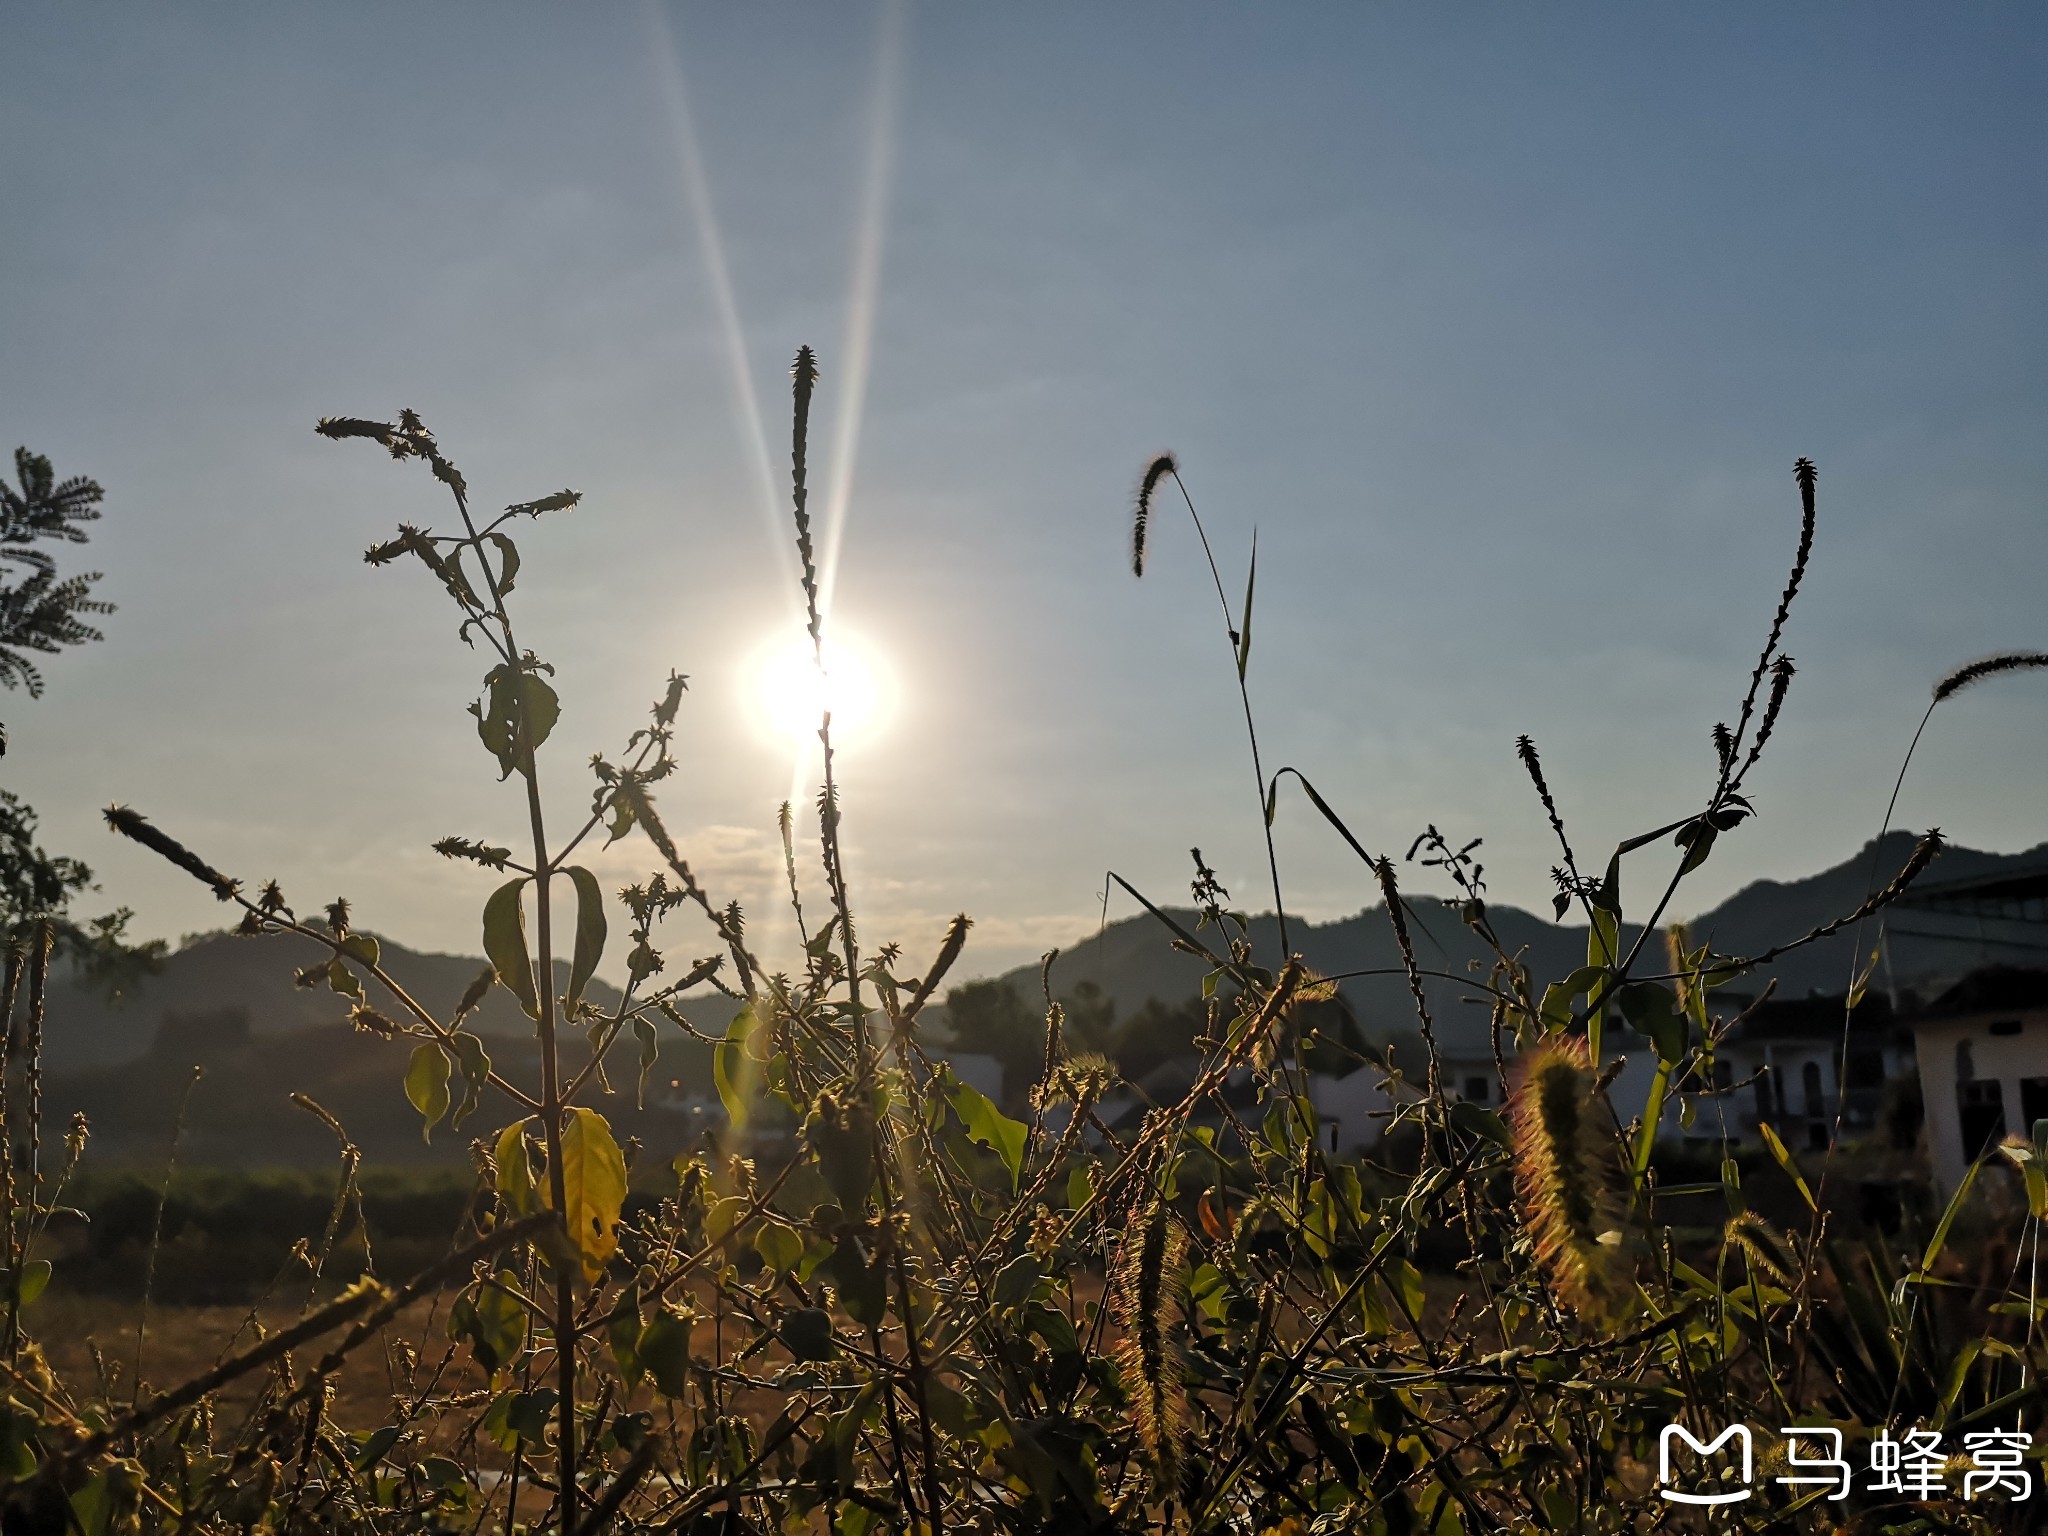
x: 229, y: 1005
x: 241, y: 1112
x: 1133, y: 959
x: 255, y: 974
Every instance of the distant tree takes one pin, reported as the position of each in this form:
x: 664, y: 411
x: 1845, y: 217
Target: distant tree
x: 989, y: 1017
x: 992, y: 1017
x: 40, y: 612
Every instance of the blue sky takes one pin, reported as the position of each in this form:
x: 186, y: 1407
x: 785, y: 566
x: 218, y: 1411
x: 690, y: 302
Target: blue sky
x: 1502, y: 325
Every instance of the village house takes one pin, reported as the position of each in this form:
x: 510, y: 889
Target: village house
x: 1778, y: 1066
x: 1983, y: 1053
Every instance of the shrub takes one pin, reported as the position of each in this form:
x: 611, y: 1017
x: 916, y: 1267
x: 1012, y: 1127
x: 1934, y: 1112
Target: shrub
x: 909, y: 1310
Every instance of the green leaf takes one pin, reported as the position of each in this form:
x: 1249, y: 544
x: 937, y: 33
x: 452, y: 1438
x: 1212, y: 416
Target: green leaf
x: 362, y: 946
x: 1608, y: 899
x: 840, y: 1135
x: 1244, y: 633
x: 17, y: 1436
x: 722, y: 1215
x: 35, y: 1275
x: 623, y: 816
x: 344, y: 981
x: 1939, y: 1241
x: 1653, y: 1011
x: 475, y: 1065
x: 590, y: 933
x: 622, y: 1335
x: 664, y: 1349
x: 1784, y: 1158
x: 521, y: 1416
x: 1653, y: 1117
x: 497, y: 715
x: 505, y: 944
x: 1478, y: 1120
x: 862, y: 1286
x: 1557, y: 1010
x: 1080, y: 1189
x: 1697, y: 839
x: 372, y: 1447
x: 493, y: 1322
x: 781, y: 1246
x: 989, y: 1126
x: 732, y: 1069
x: 807, y: 1334
x: 508, y: 567
x: 1406, y: 1281
x: 594, y: 1185
x: 1016, y: 1280
x: 426, y: 1085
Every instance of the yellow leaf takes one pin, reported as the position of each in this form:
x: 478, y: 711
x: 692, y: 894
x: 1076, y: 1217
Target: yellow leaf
x: 594, y: 1187
x: 515, y: 1173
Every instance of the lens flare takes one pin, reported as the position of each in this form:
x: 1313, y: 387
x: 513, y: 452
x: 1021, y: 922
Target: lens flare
x: 787, y: 696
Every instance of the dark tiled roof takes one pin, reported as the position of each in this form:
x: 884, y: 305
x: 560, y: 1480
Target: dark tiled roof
x: 1994, y: 989
x: 1806, y: 1018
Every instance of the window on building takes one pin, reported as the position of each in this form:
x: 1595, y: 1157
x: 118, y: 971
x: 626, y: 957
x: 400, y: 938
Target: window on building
x: 1476, y: 1089
x: 1980, y: 1106
x: 2033, y: 1103
x: 2005, y: 1027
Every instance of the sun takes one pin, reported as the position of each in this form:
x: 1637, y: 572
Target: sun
x: 787, y: 695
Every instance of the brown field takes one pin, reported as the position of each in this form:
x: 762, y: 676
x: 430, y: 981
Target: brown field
x: 181, y: 1342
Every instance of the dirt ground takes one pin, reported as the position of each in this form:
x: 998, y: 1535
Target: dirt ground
x: 181, y: 1342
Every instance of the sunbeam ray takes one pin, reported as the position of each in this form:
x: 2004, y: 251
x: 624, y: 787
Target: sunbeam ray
x: 871, y: 223
x: 711, y: 249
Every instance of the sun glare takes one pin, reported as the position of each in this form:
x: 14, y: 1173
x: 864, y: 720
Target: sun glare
x: 788, y: 696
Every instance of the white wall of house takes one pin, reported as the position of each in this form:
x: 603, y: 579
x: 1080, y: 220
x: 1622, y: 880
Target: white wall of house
x: 1796, y: 1094
x: 1988, y: 1059
x: 1351, y: 1111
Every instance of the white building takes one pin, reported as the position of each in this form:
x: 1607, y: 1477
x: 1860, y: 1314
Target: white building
x: 1983, y: 1053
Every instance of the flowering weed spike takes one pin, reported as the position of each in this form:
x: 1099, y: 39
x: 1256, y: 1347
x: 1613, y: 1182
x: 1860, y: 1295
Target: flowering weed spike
x: 1988, y: 666
x: 1155, y: 472
x: 1564, y: 1169
x: 1147, y: 1276
x: 135, y: 826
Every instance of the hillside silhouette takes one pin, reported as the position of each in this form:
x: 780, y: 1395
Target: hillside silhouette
x: 229, y: 1005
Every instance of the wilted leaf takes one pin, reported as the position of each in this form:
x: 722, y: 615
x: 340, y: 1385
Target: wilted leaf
x: 650, y: 1052
x: 475, y: 1066
x: 594, y: 1186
